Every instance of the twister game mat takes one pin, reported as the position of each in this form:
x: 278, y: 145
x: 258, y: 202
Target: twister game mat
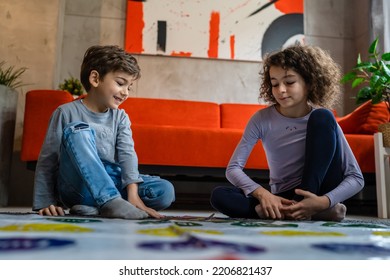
x: 30, y: 236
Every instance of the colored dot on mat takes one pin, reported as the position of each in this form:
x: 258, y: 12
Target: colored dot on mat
x: 301, y: 233
x: 73, y: 221
x: 382, y: 233
x: 331, y: 224
x: 195, y: 243
x: 353, y: 248
x: 30, y: 244
x: 173, y: 231
x: 45, y: 227
x: 258, y: 224
x: 188, y: 224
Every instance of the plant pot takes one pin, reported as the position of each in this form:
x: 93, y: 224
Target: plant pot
x: 385, y: 129
x: 8, y: 105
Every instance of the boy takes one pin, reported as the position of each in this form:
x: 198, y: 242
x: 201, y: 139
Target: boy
x: 88, y: 162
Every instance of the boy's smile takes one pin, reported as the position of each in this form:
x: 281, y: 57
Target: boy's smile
x: 109, y: 91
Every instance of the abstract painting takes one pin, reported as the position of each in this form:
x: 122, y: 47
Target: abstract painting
x: 214, y: 29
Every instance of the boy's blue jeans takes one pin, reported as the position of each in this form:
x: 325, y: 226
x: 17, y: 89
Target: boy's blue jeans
x: 85, y: 179
x: 322, y: 169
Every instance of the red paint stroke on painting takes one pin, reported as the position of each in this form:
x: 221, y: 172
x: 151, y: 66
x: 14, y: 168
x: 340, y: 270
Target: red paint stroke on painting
x: 232, y: 43
x: 184, y: 54
x: 214, y: 35
x: 134, y: 27
x: 290, y: 7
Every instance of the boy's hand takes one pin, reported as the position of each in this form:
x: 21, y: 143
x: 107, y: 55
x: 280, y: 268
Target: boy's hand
x: 133, y: 198
x: 52, y: 211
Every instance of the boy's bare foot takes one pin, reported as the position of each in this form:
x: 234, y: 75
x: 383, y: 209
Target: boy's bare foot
x: 259, y: 212
x: 336, y: 213
x: 120, y: 208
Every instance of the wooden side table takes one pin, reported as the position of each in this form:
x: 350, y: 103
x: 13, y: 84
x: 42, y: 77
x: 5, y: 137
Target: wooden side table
x: 382, y: 174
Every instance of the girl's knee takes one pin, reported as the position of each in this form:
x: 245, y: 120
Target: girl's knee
x: 321, y: 117
x: 217, y: 195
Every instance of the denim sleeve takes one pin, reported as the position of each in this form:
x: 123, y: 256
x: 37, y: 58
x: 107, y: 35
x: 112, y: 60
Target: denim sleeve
x: 47, y: 166
x: 127, y: 157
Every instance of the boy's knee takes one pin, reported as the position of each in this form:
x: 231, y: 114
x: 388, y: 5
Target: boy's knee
x: 75, y: 128
x: 167, y: 194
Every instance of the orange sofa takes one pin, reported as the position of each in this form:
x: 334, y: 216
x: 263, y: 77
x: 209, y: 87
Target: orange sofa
x: 179, y: 135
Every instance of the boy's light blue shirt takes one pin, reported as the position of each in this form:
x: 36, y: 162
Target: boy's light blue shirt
x: 114, y: 143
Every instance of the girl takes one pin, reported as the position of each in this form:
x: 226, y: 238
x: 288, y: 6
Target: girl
x: 312, y: 168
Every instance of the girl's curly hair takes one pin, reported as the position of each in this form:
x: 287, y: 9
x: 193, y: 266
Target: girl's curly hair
x: 319, y: 71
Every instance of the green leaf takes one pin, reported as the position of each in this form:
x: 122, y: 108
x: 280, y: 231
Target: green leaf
x: 363, y: 95
x: 373, y: 46
x: 10, y: 77
x: 359, y: 59
x: 386, y: 69
x: 357, y: 82
x: 377, y: 98
x: 380, y: 84
x: 374, y: 79
x: 363, y: 65
x: 349, y: 76
x: 386, y: 56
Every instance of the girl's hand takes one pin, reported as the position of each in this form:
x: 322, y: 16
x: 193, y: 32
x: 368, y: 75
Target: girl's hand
x: 271, y: 205
x: 52, y: 211
x: 310, y: 205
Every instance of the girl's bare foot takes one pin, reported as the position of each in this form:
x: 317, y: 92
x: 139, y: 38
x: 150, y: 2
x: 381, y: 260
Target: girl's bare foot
x: 336, y: 213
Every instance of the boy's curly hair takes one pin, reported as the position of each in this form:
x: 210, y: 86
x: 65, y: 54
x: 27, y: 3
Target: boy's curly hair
x: 105, y: 59
x: 319, y: 71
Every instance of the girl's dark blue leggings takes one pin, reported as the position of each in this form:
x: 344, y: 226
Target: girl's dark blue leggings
x: 322, y: 169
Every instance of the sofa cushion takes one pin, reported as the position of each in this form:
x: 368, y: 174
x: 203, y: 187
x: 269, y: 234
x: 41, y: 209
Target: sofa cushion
x: 362, y: 147
x: 182, y: 113
x: 40, y: 104
x: 237, y: 115
x: 365, y: 119
x: 196, y: 147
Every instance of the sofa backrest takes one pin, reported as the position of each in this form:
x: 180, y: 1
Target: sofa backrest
x: 169, y: 112
x: 40, y: 104
x: 237, y: 115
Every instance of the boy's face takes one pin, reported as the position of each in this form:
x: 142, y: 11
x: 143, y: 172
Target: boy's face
x: 111, y: 90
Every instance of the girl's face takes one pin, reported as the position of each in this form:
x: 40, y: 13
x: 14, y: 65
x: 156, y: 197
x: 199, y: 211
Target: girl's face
x: 111, y: 91
x: 290, y: 92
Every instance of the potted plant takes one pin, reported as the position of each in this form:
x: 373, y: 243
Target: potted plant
x: 9, y: 81
x: 373, y: 76
x: 73, y: 86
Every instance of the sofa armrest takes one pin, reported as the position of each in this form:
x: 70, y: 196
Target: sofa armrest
x: 40, y: 104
